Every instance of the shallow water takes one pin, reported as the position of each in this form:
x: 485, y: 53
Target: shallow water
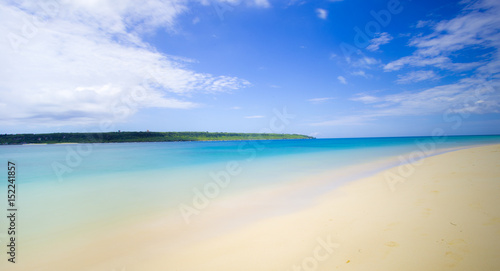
x: 68, y: 186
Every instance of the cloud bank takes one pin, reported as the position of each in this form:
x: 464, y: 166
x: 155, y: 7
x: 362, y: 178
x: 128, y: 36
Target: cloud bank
x: 81, y: 62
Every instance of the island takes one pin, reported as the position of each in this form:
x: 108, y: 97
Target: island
x: 121, y: 137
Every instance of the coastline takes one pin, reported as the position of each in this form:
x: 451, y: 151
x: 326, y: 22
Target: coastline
x: 443, y: 217
x: 210, y: 140
x: 427, y: 222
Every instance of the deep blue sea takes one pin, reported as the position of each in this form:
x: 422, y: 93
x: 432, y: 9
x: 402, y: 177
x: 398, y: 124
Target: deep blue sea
x: 84, y: 184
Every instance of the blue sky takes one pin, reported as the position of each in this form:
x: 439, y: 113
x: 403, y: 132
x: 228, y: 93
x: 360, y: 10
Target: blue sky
x: 346, y: 68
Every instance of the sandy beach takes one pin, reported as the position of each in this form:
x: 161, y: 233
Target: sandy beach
x: 444, y: 216
x: 442, y: 213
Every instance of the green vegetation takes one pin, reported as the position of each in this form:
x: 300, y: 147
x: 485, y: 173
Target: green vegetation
x: 137, y: 137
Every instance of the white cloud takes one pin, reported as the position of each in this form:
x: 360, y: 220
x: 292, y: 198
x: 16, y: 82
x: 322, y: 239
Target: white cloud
x: 472, y: 95
x: 417, y: 61
x: 254, y: 117
x: 441, y: 62
x: 421, y: 24
x: 364, y: 98
x: 320, y: 100
x: 235, y: 108
x: 342, y: 79
x: 468, y: 96
x: 233, y: 3
x: 363, y: 62
x: 345, y: 121
x: 262, y: 3
x: 322, y: 13
x: 361, y: 73
x: 477, y: 27
x: 84, y: 61
x: 381, y: 39
x: 416, y: 76
x: 295, y: 3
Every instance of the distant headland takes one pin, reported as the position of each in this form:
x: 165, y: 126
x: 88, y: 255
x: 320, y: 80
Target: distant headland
x: 122, y: 137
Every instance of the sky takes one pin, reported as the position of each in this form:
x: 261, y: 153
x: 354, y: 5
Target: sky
x: 332, y: 68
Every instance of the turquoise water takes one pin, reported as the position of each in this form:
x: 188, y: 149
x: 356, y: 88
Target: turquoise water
x: 86, y: 184
x: 37, y: 162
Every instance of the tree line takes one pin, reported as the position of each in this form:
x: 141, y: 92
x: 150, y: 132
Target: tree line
x: 118, y: 137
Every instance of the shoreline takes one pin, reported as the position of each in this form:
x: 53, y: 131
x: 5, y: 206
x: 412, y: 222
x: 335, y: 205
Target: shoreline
x: 367, y: 226
x: 236, y: 140
x: 376, y: 228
